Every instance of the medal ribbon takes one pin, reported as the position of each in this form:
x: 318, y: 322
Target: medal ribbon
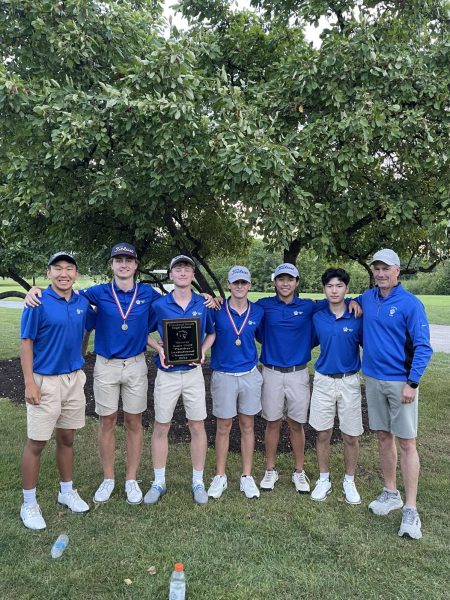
x: 236, y: 331
x: 116, y: 300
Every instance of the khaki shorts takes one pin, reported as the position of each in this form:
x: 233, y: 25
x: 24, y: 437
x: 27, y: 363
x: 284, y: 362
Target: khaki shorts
x: 233, y: 394
x: 285, y: 394
x: 170, y: 386
x: 126, y: 377
x: 330, y: 394
x: 62, y: 405
x: 386, y: 411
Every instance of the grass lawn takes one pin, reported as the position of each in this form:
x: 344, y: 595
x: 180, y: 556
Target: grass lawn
x: 282, y: 546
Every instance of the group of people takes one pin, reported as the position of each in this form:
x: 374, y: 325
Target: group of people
x: 387, y: 321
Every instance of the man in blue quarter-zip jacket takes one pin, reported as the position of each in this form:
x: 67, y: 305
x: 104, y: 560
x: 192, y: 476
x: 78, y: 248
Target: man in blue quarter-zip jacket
x: 396, y: 352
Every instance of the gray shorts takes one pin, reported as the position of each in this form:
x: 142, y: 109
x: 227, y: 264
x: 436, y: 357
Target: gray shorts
x: 285, y: 394
x: 233, y: 394
x: 386, y: 411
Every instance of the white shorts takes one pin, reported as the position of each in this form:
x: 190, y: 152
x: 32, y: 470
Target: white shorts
x: 169, y: 386
x: 342, y: 394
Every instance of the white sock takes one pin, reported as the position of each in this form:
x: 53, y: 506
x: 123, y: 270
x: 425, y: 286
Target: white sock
x: 325, y: 476
x: 160, y: 475
x: 349, y: 477
x: 66, y: 486
x: 29, y: 497
x: 197, y: 476
x: 129, y: 481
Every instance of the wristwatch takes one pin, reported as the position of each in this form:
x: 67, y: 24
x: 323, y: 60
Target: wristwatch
x: 412, y: 384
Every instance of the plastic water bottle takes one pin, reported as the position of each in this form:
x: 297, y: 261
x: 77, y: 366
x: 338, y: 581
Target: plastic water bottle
x: 177, y: 589
x: 60, y: 545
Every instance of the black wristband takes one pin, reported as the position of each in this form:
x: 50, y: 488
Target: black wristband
x: 412, y: 384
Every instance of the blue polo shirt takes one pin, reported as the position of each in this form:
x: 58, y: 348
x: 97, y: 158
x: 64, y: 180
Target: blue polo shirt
x: 110, y: 340
x: 286, y: 332
x: 339, y: 341
x: 167, y: 308
x: 225, y: 355
x: 396, y: 335
x: 57, y: 328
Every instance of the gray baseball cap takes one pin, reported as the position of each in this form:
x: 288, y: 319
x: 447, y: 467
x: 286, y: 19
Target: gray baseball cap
x: 61, y: 256
x: 286, y: 269
x: 238, y: 273
x: 387, y: 256
x: 179, y: 259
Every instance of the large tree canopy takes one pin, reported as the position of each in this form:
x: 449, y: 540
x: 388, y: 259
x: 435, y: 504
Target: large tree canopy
x: 111, y: 130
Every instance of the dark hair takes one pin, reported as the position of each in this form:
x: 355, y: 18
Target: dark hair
x: 333, y: 272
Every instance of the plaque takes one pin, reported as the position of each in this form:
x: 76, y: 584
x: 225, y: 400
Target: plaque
x: 181, y: 341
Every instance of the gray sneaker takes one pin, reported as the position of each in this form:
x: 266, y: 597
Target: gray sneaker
x: 154, y: 493
x: 199, y: 493
x: 411, y: 524
x: 386, y: 502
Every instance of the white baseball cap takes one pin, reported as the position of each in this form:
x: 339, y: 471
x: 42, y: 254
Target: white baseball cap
x: 387, y: 256
x: 238, y: 273
x: 286, y: 269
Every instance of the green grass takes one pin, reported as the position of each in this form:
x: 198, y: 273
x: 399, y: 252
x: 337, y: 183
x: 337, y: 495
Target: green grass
x: 282, y: 546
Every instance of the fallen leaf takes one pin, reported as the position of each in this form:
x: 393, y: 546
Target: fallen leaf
x: 151, y: 570
x: 127, y: 581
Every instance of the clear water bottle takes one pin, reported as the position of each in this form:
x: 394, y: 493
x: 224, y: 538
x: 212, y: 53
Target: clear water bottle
x: 60, y: 545
x: 177, y: 583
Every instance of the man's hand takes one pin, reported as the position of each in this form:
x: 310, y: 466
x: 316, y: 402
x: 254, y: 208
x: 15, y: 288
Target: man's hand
x: 162, y: 358
x: 408, y: 394
x: 355, y: 308
x: 211, y: 302
x: 32, y: 393
x: 32, y: 297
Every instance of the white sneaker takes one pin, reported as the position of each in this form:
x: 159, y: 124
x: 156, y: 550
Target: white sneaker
x: 218, y: 485
x: 386, y: 502
x: 269, y: 480
x: 350, y: 492
x: 104, y: 491
x: 411, y: 525
x: 322, y: 489
x: 134, y: 493
x: 301, y: 482
x: 249, y: 487
x: 73, y: 501
x: 32, y: 517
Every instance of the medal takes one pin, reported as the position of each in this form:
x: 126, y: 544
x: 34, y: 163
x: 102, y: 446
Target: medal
x: 124, y: 316
x: 238, y: 341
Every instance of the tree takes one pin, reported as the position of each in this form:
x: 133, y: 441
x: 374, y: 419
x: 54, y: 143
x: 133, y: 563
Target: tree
x: 364, y: 120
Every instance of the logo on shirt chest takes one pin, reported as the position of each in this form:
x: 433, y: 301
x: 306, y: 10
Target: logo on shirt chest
x: 392, y: 311
x: 347, y: 329
x: 140, y: 301
x: 296, y: 313
x: 251, y: 322
x: 196, y: 313
x: 80, y: 311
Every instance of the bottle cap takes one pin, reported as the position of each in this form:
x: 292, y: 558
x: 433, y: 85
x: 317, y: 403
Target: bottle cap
x: 178, y: 567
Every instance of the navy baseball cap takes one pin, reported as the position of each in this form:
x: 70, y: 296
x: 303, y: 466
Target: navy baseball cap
x: 181, y: 258
x: 286, y: 269
x: 61, y: 256
x: 123, y: 249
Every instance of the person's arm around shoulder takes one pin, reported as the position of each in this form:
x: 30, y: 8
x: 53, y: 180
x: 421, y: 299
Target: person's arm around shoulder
x: 32, y: 391
x: 33, y: 297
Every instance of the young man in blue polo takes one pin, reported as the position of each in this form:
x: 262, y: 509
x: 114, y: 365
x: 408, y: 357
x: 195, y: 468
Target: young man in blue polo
x: 396, y: 353
x: 236, y: 382
x: 336, y: 384
x: 124, y: 312
x: 181, y: 379
x: 51, y: 358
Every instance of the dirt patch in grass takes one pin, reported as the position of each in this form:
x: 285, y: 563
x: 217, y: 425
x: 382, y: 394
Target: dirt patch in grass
x: 12, y: 386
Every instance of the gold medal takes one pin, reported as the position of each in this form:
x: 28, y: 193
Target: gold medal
x: 124, y: 327
x: 238, y: 342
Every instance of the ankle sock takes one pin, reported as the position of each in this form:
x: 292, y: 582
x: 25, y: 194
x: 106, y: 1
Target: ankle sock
x: 325, y: 476
x: 349, y: 477
x: 66, y: 486
x: 197, y: 476
x: 29, y: 497
x: 160, y: 476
